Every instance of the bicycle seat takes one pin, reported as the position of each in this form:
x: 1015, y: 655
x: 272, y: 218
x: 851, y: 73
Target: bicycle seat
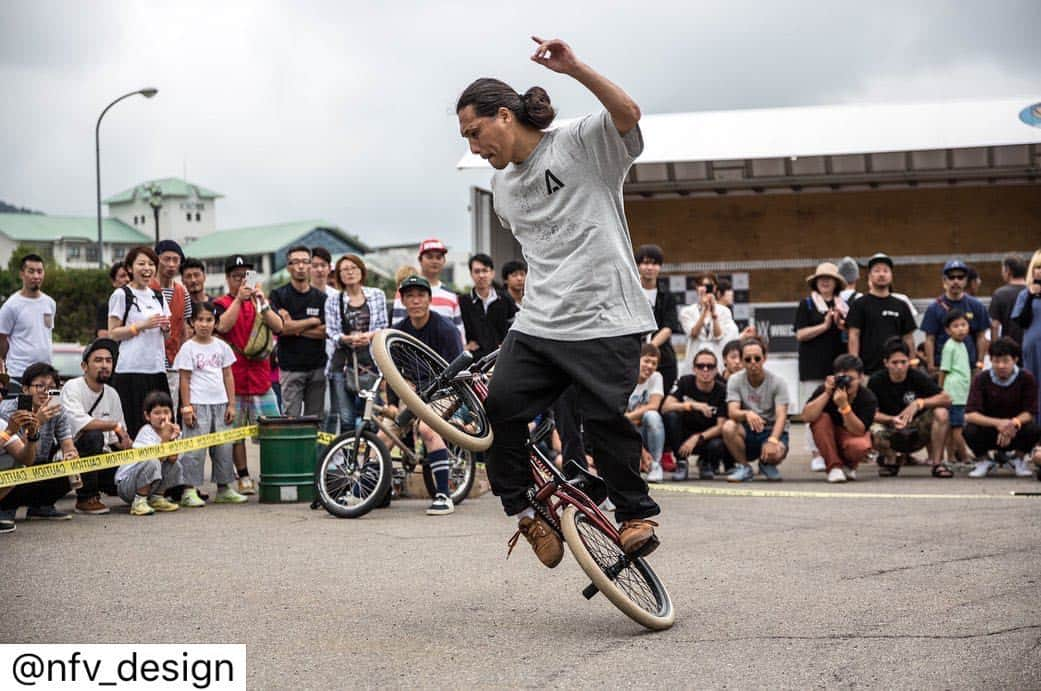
x: 591, y: 485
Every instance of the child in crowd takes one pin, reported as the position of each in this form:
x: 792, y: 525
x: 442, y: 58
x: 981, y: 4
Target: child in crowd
x: 955, y: 378
x: 207, y: 405
x: 642, y: 411
x: 142, y: 484
x: 731, y: 360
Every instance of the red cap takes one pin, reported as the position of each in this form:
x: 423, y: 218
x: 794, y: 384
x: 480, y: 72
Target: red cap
x: 432, y: 245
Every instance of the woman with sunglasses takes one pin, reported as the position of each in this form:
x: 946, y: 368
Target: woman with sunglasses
x: 707, y: 323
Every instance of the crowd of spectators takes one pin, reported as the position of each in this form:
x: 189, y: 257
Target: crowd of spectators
x: 171, y: 361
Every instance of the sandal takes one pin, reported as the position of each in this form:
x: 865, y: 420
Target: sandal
x: 941, y: 470
x: 888, y: 470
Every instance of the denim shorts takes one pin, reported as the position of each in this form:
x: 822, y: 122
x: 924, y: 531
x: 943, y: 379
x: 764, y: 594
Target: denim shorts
x: 754, y: 441
x: 957, y: 415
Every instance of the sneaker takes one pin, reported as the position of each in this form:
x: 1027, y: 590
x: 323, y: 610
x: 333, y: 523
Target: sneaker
x: 851, y: 473
x: 140, y: 507
x: 656, y: 474
x: 548, y: 546
x: 981, y: 469
x: 191, y: 500
x: 1020, y: 467
x: 93, y: 506
x: 635, y: 533
x: 48, y: 513
x: 682, y: 470
x: 6, y: 526
x: 770, y: 471
x: 246, y: 485
x: 836, y: 475
x: 818, y: 465
x: 162, y: 504
x: 441, y: 506
x: 742, y: 473
x: 229, y: 496
x: 706, y: 471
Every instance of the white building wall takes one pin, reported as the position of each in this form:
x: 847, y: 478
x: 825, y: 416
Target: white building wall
x: 173, y: 217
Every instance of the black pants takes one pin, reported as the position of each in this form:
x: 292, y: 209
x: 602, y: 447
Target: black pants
x: 568, y: 417
x: 42, y: 493
x: 133, y: 387
x: 92, y: 443
x: 669, y: 372
x: 983, y: 439
x: 680, y: 426
x: 533, y: 372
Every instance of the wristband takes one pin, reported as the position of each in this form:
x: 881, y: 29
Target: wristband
x: 33, y: 438
x: 133, y: 329
x: 1017, y: 422
x: 846, y: 410
x: 979, y: 364
x: 265, y: 308
x: 773, y: 440
x: 4, y: 437
x: 188, y: 409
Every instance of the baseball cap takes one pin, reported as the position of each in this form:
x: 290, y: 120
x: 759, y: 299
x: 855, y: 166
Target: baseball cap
x: 102, y: 344
x: 169, y: 246
x: 414, y: 282
x: 955, y: 265
x: 237, y: 262
x: 432, y: 245
x: 879, y: 257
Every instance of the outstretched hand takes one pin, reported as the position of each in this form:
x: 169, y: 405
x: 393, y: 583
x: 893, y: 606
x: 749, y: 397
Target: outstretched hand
x: 554, y: 54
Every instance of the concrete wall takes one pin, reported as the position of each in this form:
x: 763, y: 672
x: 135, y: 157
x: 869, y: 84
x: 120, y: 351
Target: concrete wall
x: 811, y: 227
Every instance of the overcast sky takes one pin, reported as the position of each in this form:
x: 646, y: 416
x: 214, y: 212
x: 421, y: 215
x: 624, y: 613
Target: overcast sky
x: 345, y: 111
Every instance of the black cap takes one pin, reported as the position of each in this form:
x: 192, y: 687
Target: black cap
x: 169, y: 246
x: 102, y: 344
x: 415, y: 281
x: 237, y: 262
x: 879, y: 257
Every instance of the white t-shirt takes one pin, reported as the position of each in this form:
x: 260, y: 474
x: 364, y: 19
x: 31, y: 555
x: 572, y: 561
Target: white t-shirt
x: 76, y: 400
x: 145, y: 353
x: 206, y: 363
x: 28, y: 323
x: 146, y: 436
x: 728, y: 331
x: 643, y: 392
x: 652, y: 295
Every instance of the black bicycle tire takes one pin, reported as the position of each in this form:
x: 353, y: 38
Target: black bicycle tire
x: 375, y: 498
x: 396, y: 381
x: 656, y: 621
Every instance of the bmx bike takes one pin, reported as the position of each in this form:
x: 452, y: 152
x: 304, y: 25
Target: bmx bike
x: 449, y: 398
x: 358, y: 472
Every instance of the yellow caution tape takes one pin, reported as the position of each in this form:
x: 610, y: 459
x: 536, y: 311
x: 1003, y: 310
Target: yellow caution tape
x: 734, y: 492
x: 48, y: 471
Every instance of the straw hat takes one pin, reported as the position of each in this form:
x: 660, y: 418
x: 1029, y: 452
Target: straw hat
x: 827, y: 269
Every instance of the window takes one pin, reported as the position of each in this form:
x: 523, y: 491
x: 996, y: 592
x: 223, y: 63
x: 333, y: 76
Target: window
x: 198, y: 216
x: 215, y: 266
x: 188, y: 216
x: 117, y: 253
x: 92, y: 253
x: 72, y: 253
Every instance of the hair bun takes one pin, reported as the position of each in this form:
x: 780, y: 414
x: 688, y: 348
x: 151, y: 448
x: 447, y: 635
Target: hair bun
x: 538, y: 108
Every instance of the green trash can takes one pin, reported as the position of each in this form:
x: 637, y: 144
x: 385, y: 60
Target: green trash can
x: 287, y: 458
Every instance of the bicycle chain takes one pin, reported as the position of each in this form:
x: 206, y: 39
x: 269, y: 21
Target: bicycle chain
x: 543, y: 511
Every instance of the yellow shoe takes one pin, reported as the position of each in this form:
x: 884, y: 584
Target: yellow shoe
x: 191, y: 499
x: 140, y: 507
x: 162, y: 504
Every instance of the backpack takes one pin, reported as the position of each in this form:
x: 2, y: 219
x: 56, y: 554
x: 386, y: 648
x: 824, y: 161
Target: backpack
x: 129, y: 299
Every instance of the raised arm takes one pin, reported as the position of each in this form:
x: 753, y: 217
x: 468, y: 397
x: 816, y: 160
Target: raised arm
x: 558, y: 56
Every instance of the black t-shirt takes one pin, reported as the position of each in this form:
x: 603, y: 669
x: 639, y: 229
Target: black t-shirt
x: 1001, y: 304
x: 864, y: 406
x: 893, y: 397
x: 297, y: 353
x: 817, y: 355
x: 878, y: 319
x: 438, y: 333
x: 686, y: 389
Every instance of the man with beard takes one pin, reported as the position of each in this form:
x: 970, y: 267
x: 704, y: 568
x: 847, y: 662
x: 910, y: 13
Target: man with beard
x: 95, y: 414
x: 193, y: 276
x: 26, y: 322
x: 877, y: 316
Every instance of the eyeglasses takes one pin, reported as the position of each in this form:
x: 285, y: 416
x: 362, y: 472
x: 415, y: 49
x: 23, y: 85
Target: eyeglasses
x: 704, y: 366
x: 349, y: 268
x: 753, y: 358
x: 956, y: 277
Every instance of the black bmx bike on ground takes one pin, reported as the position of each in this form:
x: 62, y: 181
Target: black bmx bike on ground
x: 449, y: 397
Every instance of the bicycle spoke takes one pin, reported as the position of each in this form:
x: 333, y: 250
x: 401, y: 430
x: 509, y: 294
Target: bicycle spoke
x: 609, y: 556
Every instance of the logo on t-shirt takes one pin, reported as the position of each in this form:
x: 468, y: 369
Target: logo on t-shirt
x: 553, y: 183
x: 909, y: 397
x: 890, y: 313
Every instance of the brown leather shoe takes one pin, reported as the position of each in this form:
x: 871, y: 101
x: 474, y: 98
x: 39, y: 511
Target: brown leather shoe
x: 548, y: 546
x: 635, y: 533
x: 94, y: 505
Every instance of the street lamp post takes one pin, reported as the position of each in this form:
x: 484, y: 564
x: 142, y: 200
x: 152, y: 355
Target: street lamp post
x: 155, y: 200
x: 147, y: 92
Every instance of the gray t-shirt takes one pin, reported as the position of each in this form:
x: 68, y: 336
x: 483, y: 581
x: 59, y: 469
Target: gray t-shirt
x: 763, y: 399
x: 564, y: 206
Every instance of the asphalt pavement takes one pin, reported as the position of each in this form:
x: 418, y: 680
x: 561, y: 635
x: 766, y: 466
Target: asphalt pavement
x: 929, y: 583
